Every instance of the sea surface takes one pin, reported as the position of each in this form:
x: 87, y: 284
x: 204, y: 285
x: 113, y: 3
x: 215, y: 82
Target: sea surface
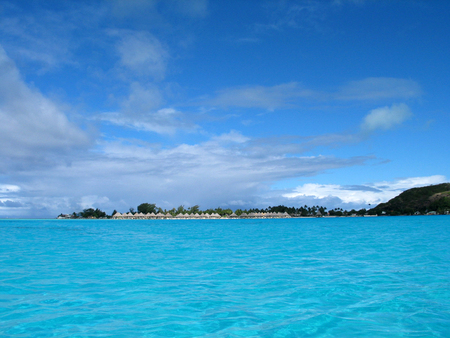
x: 336, y: 277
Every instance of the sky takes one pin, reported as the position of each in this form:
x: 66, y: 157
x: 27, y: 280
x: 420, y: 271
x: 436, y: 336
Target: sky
x: 231, y: 104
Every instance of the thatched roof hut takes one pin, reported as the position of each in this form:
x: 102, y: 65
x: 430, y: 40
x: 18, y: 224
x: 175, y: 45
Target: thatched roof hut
x: 117, y: 215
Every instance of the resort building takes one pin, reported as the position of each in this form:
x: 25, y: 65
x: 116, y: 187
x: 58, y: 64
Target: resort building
x: 160, y: 215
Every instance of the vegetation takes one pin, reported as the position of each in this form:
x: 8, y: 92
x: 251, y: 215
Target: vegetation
x: 147, y: 208
x: 87, y: 213
x: 417, y: 200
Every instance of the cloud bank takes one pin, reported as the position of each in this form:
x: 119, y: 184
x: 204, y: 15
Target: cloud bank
x: 222, y: 169
x: 32, y: 127
x: 361, y: 195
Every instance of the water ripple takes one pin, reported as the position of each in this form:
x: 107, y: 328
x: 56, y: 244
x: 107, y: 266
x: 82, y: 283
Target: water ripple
x: 378, y: 277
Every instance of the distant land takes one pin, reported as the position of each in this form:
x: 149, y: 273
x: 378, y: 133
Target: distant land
x: 429, y: 200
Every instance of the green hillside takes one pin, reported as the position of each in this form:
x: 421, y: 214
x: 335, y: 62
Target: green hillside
x: 430, y: 198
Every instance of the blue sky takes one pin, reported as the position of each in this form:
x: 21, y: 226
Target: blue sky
x: 235, y: 104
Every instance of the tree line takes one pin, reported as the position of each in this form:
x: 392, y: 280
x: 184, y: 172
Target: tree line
x: 148, y: 208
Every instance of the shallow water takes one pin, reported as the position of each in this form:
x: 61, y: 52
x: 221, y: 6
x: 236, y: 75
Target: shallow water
x: 340, y: 277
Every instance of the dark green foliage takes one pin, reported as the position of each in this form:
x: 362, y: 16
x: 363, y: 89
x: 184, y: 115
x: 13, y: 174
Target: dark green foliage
x: 422, y: 200
x: 195, y: 209
x: 440, y: 205
x: 361, y: 212
x: 91, y: 213
x: 146, y: 208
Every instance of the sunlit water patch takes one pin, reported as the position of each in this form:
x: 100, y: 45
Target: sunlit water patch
x: 349, y: 277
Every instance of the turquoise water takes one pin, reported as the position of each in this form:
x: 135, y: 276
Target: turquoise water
x: 349, y: 277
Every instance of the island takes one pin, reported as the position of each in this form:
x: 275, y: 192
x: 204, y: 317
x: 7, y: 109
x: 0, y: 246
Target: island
x: 429, y: 200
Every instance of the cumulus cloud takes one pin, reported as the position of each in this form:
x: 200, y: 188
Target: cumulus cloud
x: 31, y: 125
x: 376, y: 88
x: 385, y: 118
x: 362, y: 195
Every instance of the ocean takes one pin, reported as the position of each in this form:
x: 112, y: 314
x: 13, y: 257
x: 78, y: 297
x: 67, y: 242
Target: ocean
x: 321, y: 277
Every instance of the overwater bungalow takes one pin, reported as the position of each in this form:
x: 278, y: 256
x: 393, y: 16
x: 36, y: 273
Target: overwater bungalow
x: 168, y: 215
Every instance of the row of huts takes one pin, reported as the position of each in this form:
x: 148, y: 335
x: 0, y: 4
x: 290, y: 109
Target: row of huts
x: 160, y: 215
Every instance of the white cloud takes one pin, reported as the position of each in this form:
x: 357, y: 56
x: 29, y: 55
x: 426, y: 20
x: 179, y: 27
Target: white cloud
x: 411, y: 182
x: 279, y: 96
x: 362, y: 195
x: 378, y: 88
x: 47, y: 38
x: 141, y: 110
x: 31, y: 125
x: 385, y: 118
x: 162, y: 121
x: 293, y: 94
x: 233, y: 137
x: 191, y: 8
x: 8, y: 188
x: 37, y: 40
x: 142, y: 54
x: 224, y: 169
x: 142, y: 100
x: 93, y: 201
x: 9, y: 201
